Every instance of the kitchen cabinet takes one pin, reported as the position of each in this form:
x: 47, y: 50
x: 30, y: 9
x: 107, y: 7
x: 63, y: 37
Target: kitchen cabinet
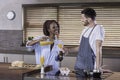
x: 8, y: 58
x: 29, y: 59
x: 14, y: 57
x: 2, y: 57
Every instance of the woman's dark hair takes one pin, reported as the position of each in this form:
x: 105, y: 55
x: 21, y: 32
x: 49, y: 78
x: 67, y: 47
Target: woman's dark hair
x: 89, y: 12
x: 46, y: 26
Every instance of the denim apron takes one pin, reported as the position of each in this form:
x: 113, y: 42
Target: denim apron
x: 85, y: 58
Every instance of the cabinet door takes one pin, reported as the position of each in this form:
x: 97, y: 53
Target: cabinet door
x: 14, y: 57
x: 2, y: 57
x: 29, y: 59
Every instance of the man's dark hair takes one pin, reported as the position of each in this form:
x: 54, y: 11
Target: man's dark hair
x: 89, y: 12
x: 46, y: 26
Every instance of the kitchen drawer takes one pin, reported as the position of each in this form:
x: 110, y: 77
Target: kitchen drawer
x: 2, y: 57
x: 14, y: 57
x: 30, y: 59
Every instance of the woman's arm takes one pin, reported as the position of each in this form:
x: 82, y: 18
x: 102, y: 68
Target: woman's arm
x: 30, y: 43
x: 33, y: 42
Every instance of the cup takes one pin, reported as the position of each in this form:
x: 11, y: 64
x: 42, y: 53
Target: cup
x: 96, y: 74
x: 60, y: 45
x: 42, y: 60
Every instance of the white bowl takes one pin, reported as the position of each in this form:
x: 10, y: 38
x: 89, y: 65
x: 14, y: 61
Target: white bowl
x: 64, y: 71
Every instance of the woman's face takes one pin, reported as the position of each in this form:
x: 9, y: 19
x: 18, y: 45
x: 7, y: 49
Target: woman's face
x: 53, y: 29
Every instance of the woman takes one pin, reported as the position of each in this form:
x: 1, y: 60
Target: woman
x: 47, y: 46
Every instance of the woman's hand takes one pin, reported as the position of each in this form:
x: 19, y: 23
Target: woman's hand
x: 44, y: 38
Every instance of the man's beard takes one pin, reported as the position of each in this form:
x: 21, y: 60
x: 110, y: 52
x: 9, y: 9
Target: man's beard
x: 86, y: 23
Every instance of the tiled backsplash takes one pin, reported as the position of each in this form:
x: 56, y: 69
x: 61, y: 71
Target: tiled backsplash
x: 10, y: 39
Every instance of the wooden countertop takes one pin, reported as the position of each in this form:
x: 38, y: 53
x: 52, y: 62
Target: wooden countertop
x: 12, y: 74
x: 114, y: 76
x: 16, y: 74
x: 107, y: 76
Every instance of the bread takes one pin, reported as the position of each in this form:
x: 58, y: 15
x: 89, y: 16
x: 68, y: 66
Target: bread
x: 17, y: 63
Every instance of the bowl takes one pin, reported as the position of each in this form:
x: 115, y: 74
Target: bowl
x: 64, y: 71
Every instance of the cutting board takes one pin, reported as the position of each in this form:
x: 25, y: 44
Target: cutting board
x: 26, y: 66
x: 11, y: 67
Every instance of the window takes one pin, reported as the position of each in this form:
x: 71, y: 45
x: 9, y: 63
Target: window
x: 109, y: 17
x: 34, y: 19
x: 69, y: 20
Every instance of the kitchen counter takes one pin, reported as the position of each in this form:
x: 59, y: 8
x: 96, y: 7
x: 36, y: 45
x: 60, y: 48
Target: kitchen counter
x: 24, y: 51
x: 71, y: 76
x: 108, y: 52
x: 51, y: 78
x: 17, y: 74
x: 34, y: 74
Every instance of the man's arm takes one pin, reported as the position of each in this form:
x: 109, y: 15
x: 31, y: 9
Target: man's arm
x: 73, y: 49
x: 98, y: 54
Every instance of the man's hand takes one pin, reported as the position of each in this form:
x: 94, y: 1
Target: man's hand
x: 66, y: 50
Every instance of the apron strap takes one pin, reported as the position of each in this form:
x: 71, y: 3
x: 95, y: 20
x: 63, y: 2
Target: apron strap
x: 85, y: 31
x: 92, y: 30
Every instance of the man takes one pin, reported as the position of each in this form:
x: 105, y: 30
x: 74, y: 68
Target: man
x: 90, y: 49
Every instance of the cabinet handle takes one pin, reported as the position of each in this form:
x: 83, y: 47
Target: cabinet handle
x: 4, y: 59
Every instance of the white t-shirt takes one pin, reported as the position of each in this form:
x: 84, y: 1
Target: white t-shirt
x: 97, y: 34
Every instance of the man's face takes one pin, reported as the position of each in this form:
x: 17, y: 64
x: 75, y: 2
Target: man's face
x: 53, y: 28
x: 84, y: 20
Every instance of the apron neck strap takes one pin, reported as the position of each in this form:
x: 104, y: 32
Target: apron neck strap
x: 92, y: 30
